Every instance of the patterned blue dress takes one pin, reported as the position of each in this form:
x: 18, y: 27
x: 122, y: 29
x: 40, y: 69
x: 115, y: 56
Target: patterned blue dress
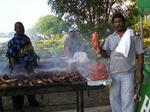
x: 20, y: 48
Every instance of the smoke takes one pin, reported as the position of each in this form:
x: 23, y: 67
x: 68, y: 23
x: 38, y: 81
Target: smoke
x: 4, y: 68
x: 81, y: 55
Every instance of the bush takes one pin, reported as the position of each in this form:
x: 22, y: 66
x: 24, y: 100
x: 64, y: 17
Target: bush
x: 147, y: 43
x: 49, y: 47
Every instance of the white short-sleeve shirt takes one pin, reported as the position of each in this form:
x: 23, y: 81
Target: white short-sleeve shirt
x: 118, y: 63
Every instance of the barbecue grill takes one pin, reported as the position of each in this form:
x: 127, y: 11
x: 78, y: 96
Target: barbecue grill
x: 50, y: 76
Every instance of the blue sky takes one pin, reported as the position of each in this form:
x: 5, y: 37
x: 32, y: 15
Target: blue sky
x: 26, y: 11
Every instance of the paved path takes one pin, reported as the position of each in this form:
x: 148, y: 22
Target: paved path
x: 92, y: 109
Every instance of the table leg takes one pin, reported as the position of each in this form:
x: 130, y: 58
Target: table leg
x: 1, y: 105
x: 82, y: 100
x: 77, y: 100
x: 88, y: 91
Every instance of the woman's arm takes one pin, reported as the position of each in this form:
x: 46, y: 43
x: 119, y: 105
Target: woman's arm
x: 12, y: 61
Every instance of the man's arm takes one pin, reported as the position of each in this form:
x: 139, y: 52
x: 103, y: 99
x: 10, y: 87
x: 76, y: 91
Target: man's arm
x: 140, y: 64
x: 100, y: 51
x: 103, y: 53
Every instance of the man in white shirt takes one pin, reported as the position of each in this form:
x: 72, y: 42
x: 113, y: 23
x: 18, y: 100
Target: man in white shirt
x: 122, y: 68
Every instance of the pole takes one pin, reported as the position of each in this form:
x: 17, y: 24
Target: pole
x: 141, y: 29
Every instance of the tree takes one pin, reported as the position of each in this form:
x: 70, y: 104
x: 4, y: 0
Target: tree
x: 133, y: 16
x: 50, y: 25
x: 88, y: 15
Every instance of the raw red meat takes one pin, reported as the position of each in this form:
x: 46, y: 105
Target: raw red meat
x: 97, y: 71
x: 95, y: 41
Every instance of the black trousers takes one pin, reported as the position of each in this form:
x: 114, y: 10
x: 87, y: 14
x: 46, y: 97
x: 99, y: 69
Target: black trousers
x: 18, y: 101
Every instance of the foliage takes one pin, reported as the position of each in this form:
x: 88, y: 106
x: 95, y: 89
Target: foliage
x: 132, y: 15
x: 146, y: 28
x: 50, y: 25
x: 46, y: 48
x: 147, y: 43
x: 88, y: 15
x: 133, y: 18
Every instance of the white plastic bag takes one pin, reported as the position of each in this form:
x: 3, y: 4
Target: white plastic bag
x: 81, y: 57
